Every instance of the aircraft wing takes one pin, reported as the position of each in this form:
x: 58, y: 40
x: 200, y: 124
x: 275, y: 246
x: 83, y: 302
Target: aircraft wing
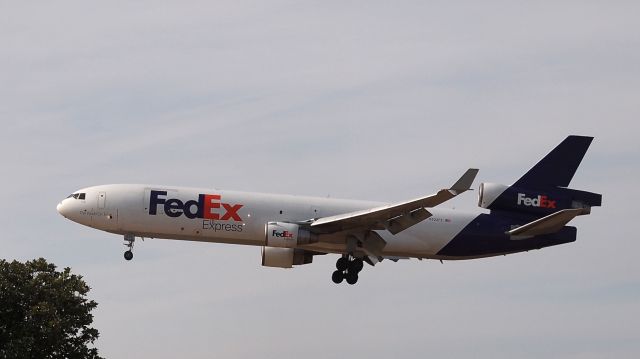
x: 395, y: 217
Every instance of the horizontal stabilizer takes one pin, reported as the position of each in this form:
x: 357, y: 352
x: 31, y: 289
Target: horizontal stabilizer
x: 546, y: 225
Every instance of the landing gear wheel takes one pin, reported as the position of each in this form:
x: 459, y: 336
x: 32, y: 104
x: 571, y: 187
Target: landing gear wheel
x: 356, y: 265
x: 351, y: 278
x: 337, y: 277
x: 342, y: 264
x: 348, y: 266
x: 129, y: 239
x: 128, y: 255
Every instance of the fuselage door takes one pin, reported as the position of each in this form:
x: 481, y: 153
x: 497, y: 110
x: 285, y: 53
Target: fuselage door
x: 102, y: 199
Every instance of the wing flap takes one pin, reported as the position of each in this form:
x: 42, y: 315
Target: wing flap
x: 399, y: 224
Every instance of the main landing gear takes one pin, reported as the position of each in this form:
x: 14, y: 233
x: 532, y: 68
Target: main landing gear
x: 348, y: 268
x: 129, y: 239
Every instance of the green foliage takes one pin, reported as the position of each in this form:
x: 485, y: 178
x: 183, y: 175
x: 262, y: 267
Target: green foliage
x: 44, y: 313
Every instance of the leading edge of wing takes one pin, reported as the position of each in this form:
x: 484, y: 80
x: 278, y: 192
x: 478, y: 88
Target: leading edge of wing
x: 395, y: 217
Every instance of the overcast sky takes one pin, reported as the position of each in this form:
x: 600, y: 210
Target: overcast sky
x: 356, y: 99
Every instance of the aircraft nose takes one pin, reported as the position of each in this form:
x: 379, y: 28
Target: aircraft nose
x: 60, y: 208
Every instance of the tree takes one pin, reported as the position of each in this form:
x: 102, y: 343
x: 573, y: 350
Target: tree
x: 44, y: 313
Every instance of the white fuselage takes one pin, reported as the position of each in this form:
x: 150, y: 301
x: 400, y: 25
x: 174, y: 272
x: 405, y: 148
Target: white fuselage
x: 211, y: 215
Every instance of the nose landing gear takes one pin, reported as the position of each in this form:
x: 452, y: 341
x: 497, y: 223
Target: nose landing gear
x: 347, y: 268
x: 129, y: 239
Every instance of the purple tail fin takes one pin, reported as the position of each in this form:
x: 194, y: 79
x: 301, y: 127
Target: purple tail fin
x: 558, y: 167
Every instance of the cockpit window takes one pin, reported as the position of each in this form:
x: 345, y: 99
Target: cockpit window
x: 69, y: 196
x: 77, y: 196
x: 81, y: 196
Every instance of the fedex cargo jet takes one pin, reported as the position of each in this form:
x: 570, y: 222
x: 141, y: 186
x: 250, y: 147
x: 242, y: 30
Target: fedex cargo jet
x: 530, y: 214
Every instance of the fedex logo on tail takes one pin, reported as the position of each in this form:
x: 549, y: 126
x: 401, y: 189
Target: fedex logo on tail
x: 208, y: 206
x: 540, y: 201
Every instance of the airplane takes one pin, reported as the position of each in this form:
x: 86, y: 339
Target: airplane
x: 530, y: 214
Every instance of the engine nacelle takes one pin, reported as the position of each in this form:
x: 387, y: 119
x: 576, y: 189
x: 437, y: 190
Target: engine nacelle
x: 285, y: 257
x: 535, y: 201
x: 287, y: 235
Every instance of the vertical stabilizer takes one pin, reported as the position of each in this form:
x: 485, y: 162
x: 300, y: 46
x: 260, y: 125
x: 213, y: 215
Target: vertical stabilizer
x: 544, y: 189
x: 558, y: 167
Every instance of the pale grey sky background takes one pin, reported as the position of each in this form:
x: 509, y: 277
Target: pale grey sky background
x: 357, y: 99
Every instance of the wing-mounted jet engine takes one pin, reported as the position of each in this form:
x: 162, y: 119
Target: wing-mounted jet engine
x: 281, y: 240
x: 285, y: 257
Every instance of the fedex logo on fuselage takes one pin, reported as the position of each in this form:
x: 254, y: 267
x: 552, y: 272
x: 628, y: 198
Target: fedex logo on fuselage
x: 540, y: 201
x: 208, y: 206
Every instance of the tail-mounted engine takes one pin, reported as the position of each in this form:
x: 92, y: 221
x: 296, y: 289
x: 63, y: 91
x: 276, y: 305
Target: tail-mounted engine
x: 538, y: 202
x: 543, y: 189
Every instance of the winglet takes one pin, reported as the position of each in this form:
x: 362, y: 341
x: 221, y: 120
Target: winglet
x: 465, y: 182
